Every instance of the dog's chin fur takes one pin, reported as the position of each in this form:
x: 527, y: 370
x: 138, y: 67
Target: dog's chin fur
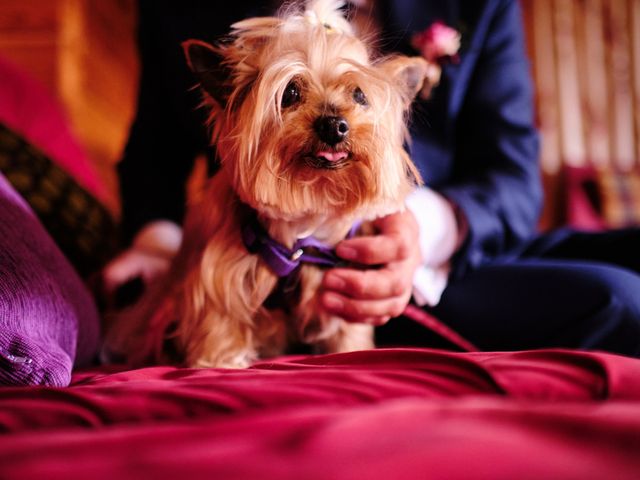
x: 208, y: 311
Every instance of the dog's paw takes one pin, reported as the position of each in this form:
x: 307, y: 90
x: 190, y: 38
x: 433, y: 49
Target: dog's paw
x: 349, y: 338
x: 240, y: 360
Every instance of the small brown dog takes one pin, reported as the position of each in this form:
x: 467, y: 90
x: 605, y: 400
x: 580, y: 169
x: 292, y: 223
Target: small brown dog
x: 309, y: 130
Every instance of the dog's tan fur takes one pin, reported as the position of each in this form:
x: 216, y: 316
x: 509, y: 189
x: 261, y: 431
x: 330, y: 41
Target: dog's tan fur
x: 208, y: 311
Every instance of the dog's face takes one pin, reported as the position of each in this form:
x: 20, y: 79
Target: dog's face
x: 304, y: 122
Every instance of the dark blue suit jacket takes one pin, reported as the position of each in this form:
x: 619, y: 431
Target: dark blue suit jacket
x: 474, y: 140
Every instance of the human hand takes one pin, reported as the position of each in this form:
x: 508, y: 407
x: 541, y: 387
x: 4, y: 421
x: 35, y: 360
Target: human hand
x: 148, y: 258
x: 374, y: 295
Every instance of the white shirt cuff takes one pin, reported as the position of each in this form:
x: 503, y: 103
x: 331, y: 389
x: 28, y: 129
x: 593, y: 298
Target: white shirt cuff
x: 438, y: 241
x: 428, y: 285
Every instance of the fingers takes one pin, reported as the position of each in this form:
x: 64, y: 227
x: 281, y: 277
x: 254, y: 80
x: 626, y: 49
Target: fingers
x: 395, y: 241
x: 375, y: 295
x: 131, y: 264
x: 378, y: 250
x: 369, y: 296
x: 368, y: 284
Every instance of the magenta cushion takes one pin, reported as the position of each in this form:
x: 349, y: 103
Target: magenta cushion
x: 379, y: 414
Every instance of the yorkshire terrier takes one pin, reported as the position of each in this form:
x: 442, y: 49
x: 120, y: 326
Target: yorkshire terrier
x: 309, y: 129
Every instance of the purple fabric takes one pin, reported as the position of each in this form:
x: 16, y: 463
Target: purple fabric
x: 284, y: 261
x: 48, y: 320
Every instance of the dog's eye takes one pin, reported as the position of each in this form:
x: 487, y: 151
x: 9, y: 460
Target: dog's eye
x: 359, y: 97
x: 291, y: 95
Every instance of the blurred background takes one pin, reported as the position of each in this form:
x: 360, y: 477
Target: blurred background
x: 585, y: 59
x: 84, y: 53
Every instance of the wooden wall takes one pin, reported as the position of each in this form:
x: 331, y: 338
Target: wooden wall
x: 586, y: 59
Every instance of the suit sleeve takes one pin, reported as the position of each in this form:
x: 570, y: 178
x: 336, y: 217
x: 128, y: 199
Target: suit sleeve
x: 496, y: 181
x: 167, y: 132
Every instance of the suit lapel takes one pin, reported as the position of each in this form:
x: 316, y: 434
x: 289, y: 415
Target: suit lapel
x: 402, y: 18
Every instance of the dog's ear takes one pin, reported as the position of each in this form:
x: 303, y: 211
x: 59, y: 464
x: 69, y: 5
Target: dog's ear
x: 206, y: 62
x: 410, y: 73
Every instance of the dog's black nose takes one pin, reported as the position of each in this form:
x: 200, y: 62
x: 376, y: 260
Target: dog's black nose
x: 331, y: 130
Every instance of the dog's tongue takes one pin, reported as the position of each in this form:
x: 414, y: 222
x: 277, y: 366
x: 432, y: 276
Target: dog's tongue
x: 331, y: 156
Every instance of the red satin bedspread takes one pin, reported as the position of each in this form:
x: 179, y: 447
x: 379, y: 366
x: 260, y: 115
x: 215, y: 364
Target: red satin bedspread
x: 383, y: 414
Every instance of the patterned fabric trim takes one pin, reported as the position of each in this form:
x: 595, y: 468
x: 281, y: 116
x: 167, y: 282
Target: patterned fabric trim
x: 81, y: 226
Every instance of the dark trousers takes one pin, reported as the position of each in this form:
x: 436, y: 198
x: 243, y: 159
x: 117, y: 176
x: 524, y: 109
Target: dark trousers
x: 566, y: 289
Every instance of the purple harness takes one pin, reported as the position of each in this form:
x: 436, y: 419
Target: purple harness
x: 284, y: 261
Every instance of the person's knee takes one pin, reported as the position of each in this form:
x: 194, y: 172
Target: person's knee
x: 613, y: 324
x: 545, y: 304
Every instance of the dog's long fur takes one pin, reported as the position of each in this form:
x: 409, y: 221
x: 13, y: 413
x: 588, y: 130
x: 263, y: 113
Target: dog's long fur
x: 208, y: 311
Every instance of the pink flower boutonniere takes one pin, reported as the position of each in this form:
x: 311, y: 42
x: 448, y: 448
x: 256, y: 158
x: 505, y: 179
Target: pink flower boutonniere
x: 439, y: 44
